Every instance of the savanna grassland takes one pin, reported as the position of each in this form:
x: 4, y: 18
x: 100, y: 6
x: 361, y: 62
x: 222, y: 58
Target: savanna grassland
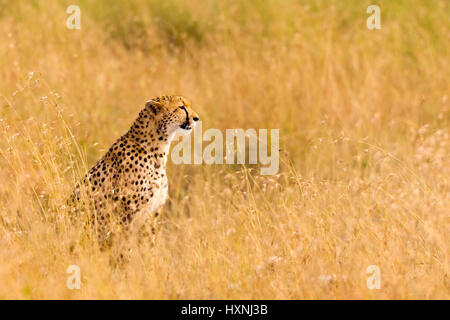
x: 364, y: 135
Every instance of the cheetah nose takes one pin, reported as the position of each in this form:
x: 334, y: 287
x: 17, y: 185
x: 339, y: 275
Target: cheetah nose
x: 195, y: 118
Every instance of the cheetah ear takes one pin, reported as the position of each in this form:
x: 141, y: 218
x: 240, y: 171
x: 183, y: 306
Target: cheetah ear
x: 154, y: 106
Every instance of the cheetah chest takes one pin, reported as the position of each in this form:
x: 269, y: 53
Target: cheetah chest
x: 159, y: 189
x: 159, y: 198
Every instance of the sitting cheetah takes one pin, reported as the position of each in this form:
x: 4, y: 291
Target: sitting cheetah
x: 129, y: 182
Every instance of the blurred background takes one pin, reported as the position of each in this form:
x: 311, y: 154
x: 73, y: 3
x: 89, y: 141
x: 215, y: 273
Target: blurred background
x: 364, y: 135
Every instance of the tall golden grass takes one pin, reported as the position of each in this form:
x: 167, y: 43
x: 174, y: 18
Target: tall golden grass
x: 364, y: 130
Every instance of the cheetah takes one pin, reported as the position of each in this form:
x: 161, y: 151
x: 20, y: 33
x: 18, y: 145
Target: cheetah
x: 129, y: 183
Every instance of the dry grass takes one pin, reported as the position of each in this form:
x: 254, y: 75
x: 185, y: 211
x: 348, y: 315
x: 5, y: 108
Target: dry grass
x: 364, y: 127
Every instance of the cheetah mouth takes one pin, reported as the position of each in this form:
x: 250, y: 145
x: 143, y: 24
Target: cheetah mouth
x: 186, y: 126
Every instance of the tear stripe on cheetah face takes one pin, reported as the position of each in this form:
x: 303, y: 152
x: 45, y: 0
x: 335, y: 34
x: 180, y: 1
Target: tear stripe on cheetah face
x: 130, y: 180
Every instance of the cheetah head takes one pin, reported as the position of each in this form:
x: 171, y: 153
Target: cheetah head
x: 172, y: 114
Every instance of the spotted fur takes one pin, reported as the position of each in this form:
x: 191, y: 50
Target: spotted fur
x: 129, y: 182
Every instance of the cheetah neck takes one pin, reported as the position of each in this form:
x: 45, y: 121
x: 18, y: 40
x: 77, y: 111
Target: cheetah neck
x: 152, y: 139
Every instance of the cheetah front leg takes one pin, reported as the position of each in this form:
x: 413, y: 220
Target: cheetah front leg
x: 155, y: 225
x: 150, y: 227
